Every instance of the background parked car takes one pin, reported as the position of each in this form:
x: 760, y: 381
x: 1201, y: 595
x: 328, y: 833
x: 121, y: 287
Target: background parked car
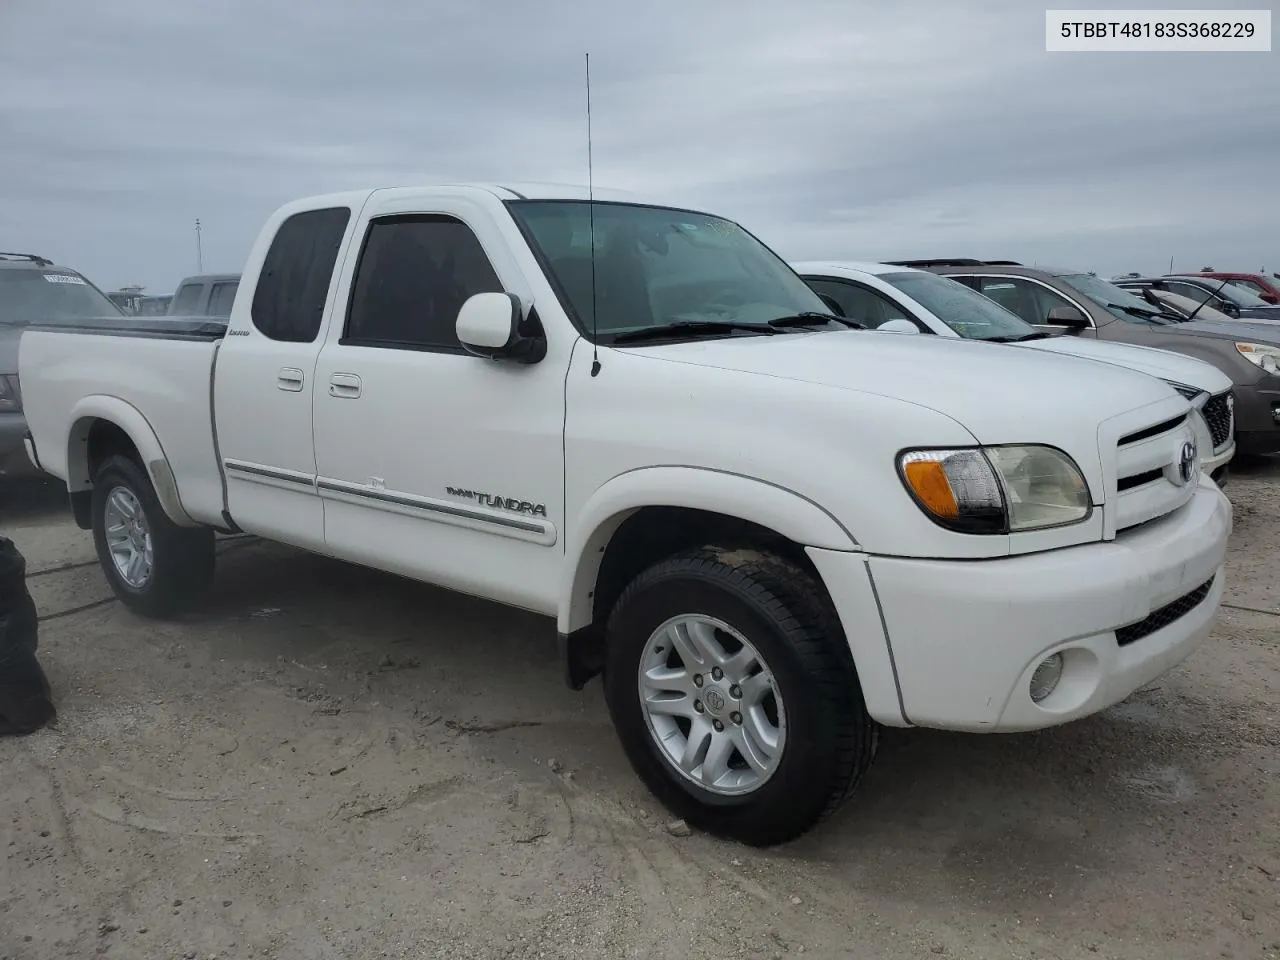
x: 1259, y: 284
x: 1083, y: 304
x: 1235, y: 302
x: 205, y: 295
x: 33, y: 288
x: 1187, y: 307
x: 886, y: 296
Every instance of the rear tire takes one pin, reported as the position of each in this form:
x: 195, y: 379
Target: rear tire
x: 779, y: 682
x: 155, y: 567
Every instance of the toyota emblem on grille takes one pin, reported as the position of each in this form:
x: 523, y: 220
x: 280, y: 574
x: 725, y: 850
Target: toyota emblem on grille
x: 1187, y: 462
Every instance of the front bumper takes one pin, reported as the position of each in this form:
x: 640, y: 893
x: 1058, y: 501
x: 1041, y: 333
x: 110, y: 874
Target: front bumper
x: 953, y: 644
x: 14, y: 461
x: 1258, y: 416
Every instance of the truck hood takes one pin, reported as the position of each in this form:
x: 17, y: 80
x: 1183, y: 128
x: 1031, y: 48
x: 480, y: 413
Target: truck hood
x: 999, y: 395
x: 1164, y: 364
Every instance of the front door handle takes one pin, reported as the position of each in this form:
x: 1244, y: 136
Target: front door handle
x: 344, y: 385
x: 289, y: 378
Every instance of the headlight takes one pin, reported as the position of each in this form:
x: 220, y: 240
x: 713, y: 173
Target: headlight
x: 10, y: 398
x: 996, y: 489
x: 1264, y: 355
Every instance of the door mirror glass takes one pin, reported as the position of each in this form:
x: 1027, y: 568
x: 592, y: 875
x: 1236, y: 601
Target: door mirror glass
x: 899, y: 325
x: 489, y: 325
x: 1067, y: 316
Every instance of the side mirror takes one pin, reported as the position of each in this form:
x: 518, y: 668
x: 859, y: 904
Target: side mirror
x: 898, y: 325
x: 1067, y: 316
x: 1227, y: 307
x: 490, y: 325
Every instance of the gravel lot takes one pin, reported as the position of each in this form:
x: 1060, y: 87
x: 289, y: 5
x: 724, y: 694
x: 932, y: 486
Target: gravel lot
x: 328, y: 762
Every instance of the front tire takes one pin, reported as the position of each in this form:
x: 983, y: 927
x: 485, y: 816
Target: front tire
x: 734, y: 694
x: 155, y: 567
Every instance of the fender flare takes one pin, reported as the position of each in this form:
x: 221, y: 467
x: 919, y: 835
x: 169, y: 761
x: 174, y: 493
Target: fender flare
x: 700, y: 488
x: 131, y: 420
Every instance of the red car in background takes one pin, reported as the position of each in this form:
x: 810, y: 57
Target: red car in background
x: 1259, y: 284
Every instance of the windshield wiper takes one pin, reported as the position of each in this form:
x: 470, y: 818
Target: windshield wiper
x: 1162, y: 309
x: 811, y: 317
x: 1145, y: 314
x: 1023, y: 338
x: 690, y: 328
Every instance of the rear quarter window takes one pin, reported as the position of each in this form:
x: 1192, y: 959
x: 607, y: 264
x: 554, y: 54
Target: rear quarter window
x: 293, y: 284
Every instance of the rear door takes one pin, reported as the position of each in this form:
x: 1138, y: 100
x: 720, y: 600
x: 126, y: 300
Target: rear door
x: 262, y: 382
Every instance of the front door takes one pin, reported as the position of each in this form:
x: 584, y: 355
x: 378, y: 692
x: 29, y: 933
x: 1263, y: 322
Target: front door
x: 262, y: 383
x: 432, y: 462
x: 1030, y: 300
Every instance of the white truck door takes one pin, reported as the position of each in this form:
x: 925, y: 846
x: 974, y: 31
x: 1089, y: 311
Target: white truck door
x: 262, y: 382
x: 432, y: 462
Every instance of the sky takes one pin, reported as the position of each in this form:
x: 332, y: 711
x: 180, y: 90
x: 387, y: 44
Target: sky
x: 846, y: 129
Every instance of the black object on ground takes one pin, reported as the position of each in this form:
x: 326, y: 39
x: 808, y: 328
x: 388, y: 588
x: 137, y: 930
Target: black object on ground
x: 26, y: 703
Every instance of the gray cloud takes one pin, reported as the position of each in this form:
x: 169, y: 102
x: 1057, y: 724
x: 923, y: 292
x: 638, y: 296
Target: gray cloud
x: 829, y: 128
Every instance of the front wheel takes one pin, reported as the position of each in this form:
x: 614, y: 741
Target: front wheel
x: 734, y: 695
x: 155, y: 567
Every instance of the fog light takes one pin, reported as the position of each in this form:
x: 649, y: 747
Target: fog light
x: 1045, y: 680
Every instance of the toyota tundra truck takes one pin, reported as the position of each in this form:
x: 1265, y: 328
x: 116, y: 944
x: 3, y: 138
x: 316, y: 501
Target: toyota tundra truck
x: 769, y: 532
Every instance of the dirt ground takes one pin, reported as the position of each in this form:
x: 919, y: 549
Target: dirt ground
x: 328, y: 762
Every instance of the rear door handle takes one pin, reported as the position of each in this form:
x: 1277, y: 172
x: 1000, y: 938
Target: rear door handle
x: 344, y: 385
x: 289, y: 378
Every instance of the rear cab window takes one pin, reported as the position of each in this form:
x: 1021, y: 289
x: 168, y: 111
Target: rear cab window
x: 221, y: 298
x: 187, y: 300
x: 293, y: 283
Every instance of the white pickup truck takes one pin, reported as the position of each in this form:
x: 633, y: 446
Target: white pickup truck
x: 769, y: 533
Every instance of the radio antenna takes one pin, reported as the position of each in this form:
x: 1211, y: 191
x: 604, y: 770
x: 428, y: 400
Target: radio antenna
x: 591, y: 230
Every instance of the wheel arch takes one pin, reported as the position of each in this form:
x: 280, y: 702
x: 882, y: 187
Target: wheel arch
x: 640, y: 516
x: 103, y: 426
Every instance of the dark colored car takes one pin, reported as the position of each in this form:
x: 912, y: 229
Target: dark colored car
x: 1222, y: 295
x: 33, y: 288
x: 1079, y: 303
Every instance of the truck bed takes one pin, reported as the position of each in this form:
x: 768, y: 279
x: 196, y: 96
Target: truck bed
x: 151, y: 364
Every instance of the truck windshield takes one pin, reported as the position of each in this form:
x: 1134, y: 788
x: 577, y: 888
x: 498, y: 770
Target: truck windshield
x: 39, y: 295
x: 656, y: 266
x: 964, y: 310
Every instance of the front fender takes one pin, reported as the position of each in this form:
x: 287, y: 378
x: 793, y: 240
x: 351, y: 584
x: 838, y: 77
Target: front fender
x: 139, y: 430
x: 699, y: 488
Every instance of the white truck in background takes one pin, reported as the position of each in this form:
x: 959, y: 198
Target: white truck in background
x: 769, y: 532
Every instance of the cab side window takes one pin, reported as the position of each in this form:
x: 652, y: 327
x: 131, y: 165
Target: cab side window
x: 1029, y: 300
x: 856, y: 302
x: 293, y: 284
x: 414, y: 274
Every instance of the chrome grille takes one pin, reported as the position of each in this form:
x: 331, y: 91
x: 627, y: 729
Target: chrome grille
x: 1220, y: 417
x: 1148, y: 481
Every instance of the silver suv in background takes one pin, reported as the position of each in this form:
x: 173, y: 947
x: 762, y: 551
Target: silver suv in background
x: 1078, y: 303
x: 34, y: 289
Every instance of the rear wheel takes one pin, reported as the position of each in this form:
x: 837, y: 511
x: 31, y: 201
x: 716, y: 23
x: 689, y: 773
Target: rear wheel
x: 734, y: 694
x: 155, y: 567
